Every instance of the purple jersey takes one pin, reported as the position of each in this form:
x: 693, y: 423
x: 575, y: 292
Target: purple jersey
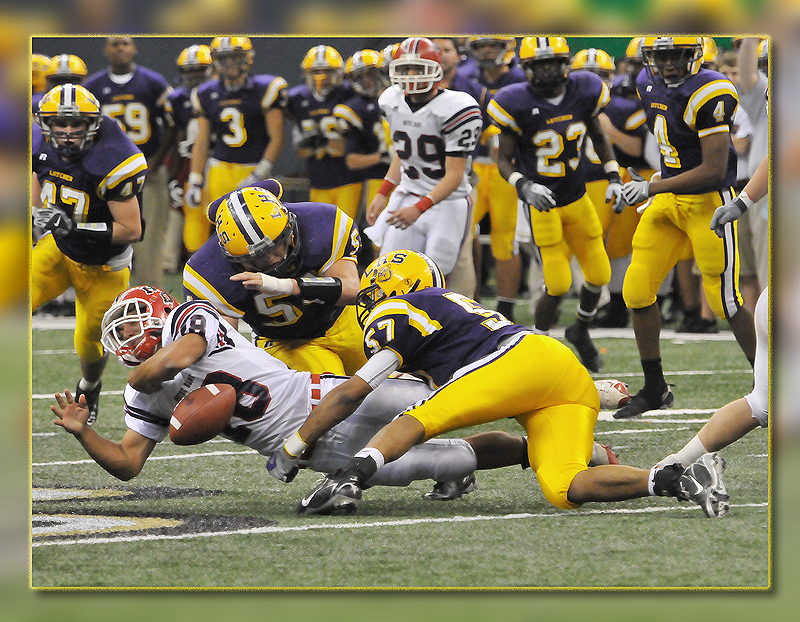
x: 326, y: 234
x: 512, y: 76
x: 365, y: 131
x: 113, y: 169
x: 324, y: 170
x: 679, y: 117
x: 628, y: 117
x: 550, y: 136
x: 237, y: 117
x: 435, y: 332
x: 180, y: 111
x: 138, y: 105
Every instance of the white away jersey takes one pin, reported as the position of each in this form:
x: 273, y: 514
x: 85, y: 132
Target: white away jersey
x: 273, y: 400
x: 424, y: 135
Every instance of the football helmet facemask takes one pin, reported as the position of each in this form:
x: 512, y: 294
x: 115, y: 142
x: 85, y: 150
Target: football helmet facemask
x: 490, y: 52
x: 323, y: 68
x: 363, y: 70
x: 132, y: 326
x: 256, y: 232
x: 194, y: 65
x: 65, y: 69
x: 545, y: 61
x: 394, y: 274
x: 674, y: 59
x: 39, y: 66
x: 232, y: 56
x: 69, y: 104
x: 596, y: 61
x: 420, y: 56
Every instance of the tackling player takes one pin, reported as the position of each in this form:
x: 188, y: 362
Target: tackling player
x: 543, y: 123
x: 87, y: 178
x: 434, y: 132
x: 689, y: 110
x: 484, y: 368
x: 289, y: 271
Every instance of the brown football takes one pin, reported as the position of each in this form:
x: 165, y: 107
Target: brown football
x: 202, y: 414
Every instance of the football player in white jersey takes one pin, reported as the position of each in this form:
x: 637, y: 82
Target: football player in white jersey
x: 434, y: 132
x: 175, y: 349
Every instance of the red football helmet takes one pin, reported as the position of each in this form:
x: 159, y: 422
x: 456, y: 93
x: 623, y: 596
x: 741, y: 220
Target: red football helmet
x: 132, y: 325
x: 420, y: 56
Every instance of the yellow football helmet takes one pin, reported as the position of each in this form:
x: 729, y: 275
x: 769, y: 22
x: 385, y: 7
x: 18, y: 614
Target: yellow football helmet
x: 256, y: 232
x: 596, y: 61
x: 545, y: 61
x: 394, y: 274
x: 763, y: 56
x: 324, y: 69
x: 363, y: 70
x: 675, y: 59
x: 634, y: 50
x: 68, y: 104
x: 491, y: 52
x: 710, y: 54
x: 387, y: 54
x: 65, y: 69
x: 232, y: 56
x: 39, y: 66
x: 194, y: 65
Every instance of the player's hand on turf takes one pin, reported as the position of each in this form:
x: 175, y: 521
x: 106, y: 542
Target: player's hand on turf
x: 72, y: 415
x: 282, y: 466
x: 404, y: 217
x: 375, y: 208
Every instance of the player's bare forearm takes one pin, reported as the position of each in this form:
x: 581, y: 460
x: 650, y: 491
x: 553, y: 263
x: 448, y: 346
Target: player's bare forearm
x: 165, y: 364
x: 334, y: 408
x: 711, y: 171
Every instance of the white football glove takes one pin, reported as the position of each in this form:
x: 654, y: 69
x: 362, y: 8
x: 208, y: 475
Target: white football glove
x: 42, y: 215
x: 176, y: 195
x: 194, y: 191
x: 730, y: 212
x: 637, y: 190
x: 670, y: 459
x: 282, y: 466
x: 260, y: 173
x: 537, y: 195
x: 614, y: 193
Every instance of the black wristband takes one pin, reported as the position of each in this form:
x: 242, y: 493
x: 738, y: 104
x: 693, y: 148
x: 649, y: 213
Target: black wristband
x: 97, y: 232
x: 324, y: 288
x: 613, y: 177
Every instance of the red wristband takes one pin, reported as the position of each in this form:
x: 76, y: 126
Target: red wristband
x: 425, y: 203
x: 387, y: 187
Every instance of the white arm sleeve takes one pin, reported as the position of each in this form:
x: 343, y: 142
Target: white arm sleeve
x: 379, y: 368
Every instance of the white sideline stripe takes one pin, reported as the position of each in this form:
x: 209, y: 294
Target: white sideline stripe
x: 686, y: 372
x: 647, y: 431
x: 71, y: 351
x: 49, y: 396
x: 608, y: 415
x: 397, y: 523
x: 173, y: 457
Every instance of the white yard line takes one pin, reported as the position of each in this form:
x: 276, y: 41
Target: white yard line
x: 359, y: 525
x: 171, y: 457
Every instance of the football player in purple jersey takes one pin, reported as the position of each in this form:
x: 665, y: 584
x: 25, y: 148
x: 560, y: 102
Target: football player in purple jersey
x: 483, y: 368
x: 88, y: 176
x: 289, y: 271
x: 136, y: 97
x: 689, y: 110
x: 318, y: 138
x: 543, y: 123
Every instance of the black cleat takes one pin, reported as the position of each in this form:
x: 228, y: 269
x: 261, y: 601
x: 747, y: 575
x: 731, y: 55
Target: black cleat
x: 92, y: 400
x: 447, y: 491
x: 579, y: 337
x: 640, y: 404
x: 335, y: 494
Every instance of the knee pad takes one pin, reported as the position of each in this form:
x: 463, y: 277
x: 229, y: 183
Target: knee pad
x: 635, y: 289
x: 557, y: 274
x: 555, y: 485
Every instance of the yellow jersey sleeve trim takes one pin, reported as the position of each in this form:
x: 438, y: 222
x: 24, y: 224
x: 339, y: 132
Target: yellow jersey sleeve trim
x: 635, y: 120
x: 348, y: 114
x: 416, y: 317
x: 713, y: 130
x: 341, y: 233
x: 602, y: 101
x: 204, y: 291
x: 501, y: 117
x: 272, y: 92
x: 701, y: 96
x: 129, y: 167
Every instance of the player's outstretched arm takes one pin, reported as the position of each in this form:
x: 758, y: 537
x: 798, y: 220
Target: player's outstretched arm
x: 123, y: 460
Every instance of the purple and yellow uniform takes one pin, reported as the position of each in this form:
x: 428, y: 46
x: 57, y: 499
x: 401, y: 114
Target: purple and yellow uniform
x: 330, y: 179
x: 486, y: 368
x: 114, y: 169
x: 495, y: 196
x: 238, y: 126
x: 675, y: 222
x: 365, y: 131
x: 196, y: 227
x: 550, y: 152
x: 293, y: 329
x: 138, y: 105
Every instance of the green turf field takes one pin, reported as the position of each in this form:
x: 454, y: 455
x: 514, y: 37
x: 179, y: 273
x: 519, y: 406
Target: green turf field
x: 211, y: 516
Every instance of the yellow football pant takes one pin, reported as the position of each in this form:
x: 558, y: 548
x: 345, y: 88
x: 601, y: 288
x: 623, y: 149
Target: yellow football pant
x: 498, y: 198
